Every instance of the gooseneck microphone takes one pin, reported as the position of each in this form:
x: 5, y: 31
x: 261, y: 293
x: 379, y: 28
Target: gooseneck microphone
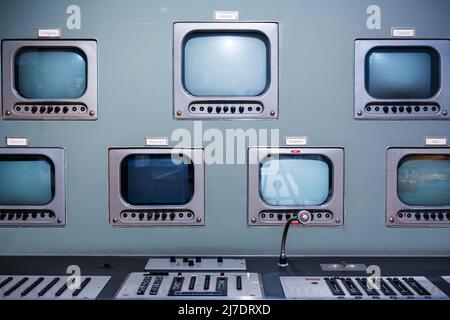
x: 303, y: 217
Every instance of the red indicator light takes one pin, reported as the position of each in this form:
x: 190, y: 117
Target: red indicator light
x: 295, y: 151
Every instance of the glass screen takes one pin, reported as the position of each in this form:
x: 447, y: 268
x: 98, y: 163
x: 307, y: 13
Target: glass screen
x: 226, y: 64
x: 50, y: 73
x: 402, y: 73
x: 424, y: 180
x: 157, y: 179
x: 26, y: 180
x: 289, y: 180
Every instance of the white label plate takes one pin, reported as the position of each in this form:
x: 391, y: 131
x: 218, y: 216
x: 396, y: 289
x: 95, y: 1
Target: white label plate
x: 49, y: 33
x: 403, y: 32
x: 436, y: 141
x: 226, y: 15
x: 16, y: 142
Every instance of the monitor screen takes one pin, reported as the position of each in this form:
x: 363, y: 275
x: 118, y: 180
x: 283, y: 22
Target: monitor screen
x: 50, y: 73
x: 300, y: 180
x: 226, y: 63
x: 26, y: 180
x: 424, y: 180
x: 157, y: 179
x: 402, y: 72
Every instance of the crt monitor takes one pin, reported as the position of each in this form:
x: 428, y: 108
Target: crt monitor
x: 402, y: 79
x: 284, y: 181
x: 418, y: 187
x: 226, y: 70
x: 45, y: 79
x: 156, y: 187
x: 32, y: 187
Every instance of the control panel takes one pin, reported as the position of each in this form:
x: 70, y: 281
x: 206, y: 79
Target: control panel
x: 401, y: 110
x: 12, y: 217
x: 328, y: 288
x: 201, y: 285
x: 424, y: 217
x: 279, y: 217
x: 195, y: 263
x: 142, y: 216
x: 225, y: 109
x: 50, y: 111
x: 15, y: 287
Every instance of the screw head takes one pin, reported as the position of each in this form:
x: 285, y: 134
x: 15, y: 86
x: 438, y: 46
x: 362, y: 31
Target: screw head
x: 391, y: 219
x: 272, y: 113
x: 59, y: 220
x: 359, y: 113
x: 444, y: 112
x: 253, y: 220
x: 92, y: 113
x: 338, y: 221
x: 8, y: 112
x: 198, y: 219
x: 179, y: 113
x: 115, y: 220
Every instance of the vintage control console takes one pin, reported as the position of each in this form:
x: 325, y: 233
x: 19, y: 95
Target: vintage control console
x: 190, y: 285
x: 50, y: 287
x: 329, y: 288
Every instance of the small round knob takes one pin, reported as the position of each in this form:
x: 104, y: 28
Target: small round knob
x: 304, y: 216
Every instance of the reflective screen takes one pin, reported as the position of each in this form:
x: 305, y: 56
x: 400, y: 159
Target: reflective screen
x: 26, y: 180
x: 157, y: 179
x: 402, y: 73
x: 50, y: 73
x: 424, y: 180
x: 226, y: 64
x: 295, y: 180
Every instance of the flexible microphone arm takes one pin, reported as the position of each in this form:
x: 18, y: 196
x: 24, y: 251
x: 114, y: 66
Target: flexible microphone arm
x: 304, y: 217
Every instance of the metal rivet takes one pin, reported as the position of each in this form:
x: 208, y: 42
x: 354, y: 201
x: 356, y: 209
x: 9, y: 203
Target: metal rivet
x: 59, y: 220
x: 272, y: 113
x: 198, y: 219
x: 179, y: 113
x: 444, y: 112
x: 391, y: 220
x: 253, y: 220
x: 8, y: 112
x: 359, y: 113
x: 338, y: 220
x: 92, y: 113
x: 115, y: 220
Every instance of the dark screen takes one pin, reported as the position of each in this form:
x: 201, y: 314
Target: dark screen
x: 157, y: 179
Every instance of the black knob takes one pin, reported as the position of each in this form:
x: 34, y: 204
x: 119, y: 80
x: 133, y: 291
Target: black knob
x: 288, y: 216
x: 408, y: 109
x: 10, y: 216
x: 49, y: 109
x: 172, y: 216
x: 440, y: 216
x: 210, y: 109
x: 25, y: 217
x: 198, y: 259
x: 57, y: 109
x: 385, y: 109
x: 42, y: 109
x: 65, y: 109
x: 185, y: 259
x: 426, y: 216
x: 164, y: 216
x: 218, y: 109
x: 433, y: 216
x: 219, y: 259
x: 417, y: 215
x: 233, y: 109
x: 225, y: 109
x: 173, y: 259
x: 34, y: 109
x: 149, y: 216
x: 191, y: 263
x: 2, y: 216
x: 447, y: 216
x: 241, y: 109
x: 156, y: 216
x: 280, y: 216
x: 141, y: 216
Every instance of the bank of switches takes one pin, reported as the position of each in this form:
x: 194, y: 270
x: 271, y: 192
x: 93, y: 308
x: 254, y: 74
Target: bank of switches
x: 190, y: 285
x: 50, y: 287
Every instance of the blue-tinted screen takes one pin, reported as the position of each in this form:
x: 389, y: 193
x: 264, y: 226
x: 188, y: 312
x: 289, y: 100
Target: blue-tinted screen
x: 295, y: 180
x: 53, y: 73
x: 424, y: 180
x: 226, y: 64
x: 26, y: 180
x: 402, y: 73
x: 157, y: 179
